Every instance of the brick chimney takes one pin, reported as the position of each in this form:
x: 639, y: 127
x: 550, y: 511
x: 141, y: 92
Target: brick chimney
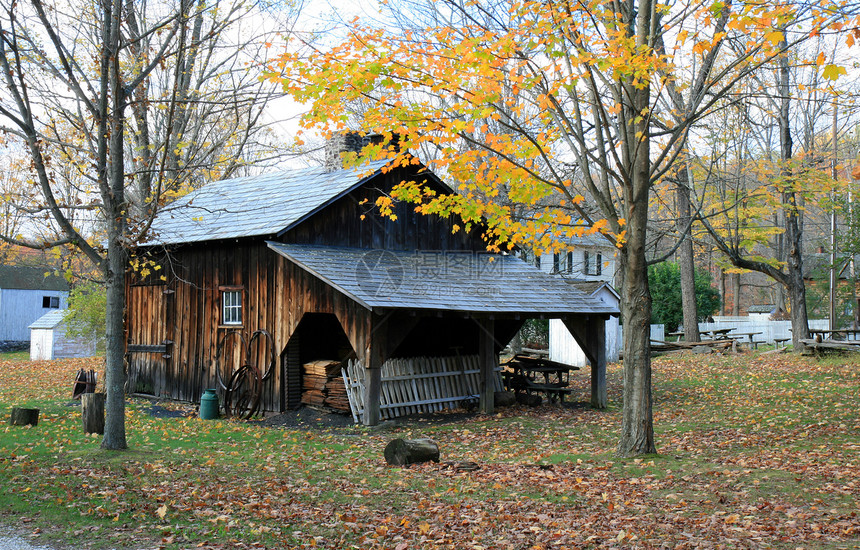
x: 349, y: 142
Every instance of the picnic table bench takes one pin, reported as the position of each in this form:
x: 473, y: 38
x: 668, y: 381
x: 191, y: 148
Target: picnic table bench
x: 752, y: 343
x: 526, y: 372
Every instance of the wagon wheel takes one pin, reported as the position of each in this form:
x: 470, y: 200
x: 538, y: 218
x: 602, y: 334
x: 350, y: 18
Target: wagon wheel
x: 243, y: 392
x: 220, y: 349
x: 270, y: 367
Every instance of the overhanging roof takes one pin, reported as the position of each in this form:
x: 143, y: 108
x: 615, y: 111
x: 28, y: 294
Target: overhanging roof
x: 443, y: 281
x: 593, y: 287
x: 256, y: 205
x: 50, y: 319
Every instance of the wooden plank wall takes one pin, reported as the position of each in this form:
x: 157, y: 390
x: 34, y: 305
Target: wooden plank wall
x: 341, y: 223
x: 145, y: 303
x: 276, y: 294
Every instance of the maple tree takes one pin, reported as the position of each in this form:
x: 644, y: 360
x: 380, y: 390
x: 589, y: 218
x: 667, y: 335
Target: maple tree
x: 119, y: 106
x: 550, y: 111
x: 771, y: 173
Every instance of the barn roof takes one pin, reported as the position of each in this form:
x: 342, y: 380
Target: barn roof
x: 25, y: 277
x: 446, y: 281
x: 256, y: 205
x: 50, y: 319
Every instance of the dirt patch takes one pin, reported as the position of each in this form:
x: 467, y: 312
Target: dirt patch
x: 309, y: 418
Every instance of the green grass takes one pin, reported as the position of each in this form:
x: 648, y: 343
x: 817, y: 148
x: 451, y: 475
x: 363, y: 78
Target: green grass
x: 23, y: 355
x: 767, y: 439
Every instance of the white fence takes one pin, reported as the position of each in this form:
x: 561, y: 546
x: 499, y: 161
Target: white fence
x: 417, y: 385
x: 564, y: 349
x: 768, y: 329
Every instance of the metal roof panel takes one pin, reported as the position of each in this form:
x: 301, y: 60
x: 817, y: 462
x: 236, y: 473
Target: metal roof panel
x: 254, y: 205
x: 449, y: 281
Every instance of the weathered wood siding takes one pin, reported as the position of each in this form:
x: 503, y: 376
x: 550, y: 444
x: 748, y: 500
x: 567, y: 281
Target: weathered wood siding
x: 174, y: 328
x: 341, y: 223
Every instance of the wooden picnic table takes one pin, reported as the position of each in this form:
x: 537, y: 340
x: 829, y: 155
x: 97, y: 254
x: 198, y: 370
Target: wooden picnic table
x: 823, y: 334
x: 540, y: 375
x: 717, y: 333
x: 749, y: 335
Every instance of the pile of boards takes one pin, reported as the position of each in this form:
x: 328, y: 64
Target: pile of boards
x: 323, y: 386
x: 658, y: 347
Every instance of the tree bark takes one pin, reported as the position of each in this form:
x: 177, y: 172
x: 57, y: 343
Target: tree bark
x: 637, y: 427
x: 685, y: 257
x: 93, y: 413
x: 793, y: 215
x: 117, y: 256
x: 402, y: 452
x: 736, y: 294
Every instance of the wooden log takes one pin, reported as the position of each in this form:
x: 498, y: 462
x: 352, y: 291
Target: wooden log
x: 24, y: 417
x: 401, y: 452
x: 93, y: 413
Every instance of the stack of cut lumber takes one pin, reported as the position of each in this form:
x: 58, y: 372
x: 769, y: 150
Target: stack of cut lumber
x: 659, y: 347
x: 322, y: 385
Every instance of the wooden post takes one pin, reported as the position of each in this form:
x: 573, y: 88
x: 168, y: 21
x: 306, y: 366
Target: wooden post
x: 24, y: 417
x: 375, y: 356
x: 597, y: 343
x: 488, y: 360
x: 93, y: 412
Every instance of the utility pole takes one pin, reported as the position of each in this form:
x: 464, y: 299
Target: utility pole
x: 833, y: 273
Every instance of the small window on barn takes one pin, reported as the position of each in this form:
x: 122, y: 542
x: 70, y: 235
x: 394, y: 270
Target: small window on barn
x: 51, y: 302
x: 231, y: 307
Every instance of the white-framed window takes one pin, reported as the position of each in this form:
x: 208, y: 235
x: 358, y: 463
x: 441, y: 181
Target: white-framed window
x: 51, y: 302
x: 231, y: 306
x: 592, y: 263
x: 562, y: 262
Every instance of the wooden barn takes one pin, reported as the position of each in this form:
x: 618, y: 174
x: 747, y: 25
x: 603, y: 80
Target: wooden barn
x: 282, y: 270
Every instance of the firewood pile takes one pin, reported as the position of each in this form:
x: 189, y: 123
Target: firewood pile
x: 323, y: 386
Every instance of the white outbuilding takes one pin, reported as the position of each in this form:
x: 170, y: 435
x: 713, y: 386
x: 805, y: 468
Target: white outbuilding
x: 48, y: 339
x: 562, y: 346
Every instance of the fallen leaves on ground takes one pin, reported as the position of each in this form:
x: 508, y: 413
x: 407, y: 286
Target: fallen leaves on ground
x: 755, y: 451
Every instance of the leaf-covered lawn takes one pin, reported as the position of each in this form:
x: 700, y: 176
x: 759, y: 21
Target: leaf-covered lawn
x: 755, y: 451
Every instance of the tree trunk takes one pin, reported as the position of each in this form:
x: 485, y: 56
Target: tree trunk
x: 637, y: 427
x: 796, y: 286
x: 736, y: 294
x: 637, y: 430
x: 117, y: 255
x: 685, y: 257
x: 401, y: 452
x: 793, y: 215
x: 93, y: 413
